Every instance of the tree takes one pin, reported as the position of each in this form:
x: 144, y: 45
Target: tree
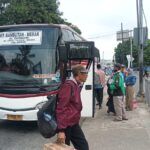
x: 35, y: 11
x: 146, y: 54
x: 3, y: 4
x: 32, y: 11
x: 73, y: 27
x: 124, y: 49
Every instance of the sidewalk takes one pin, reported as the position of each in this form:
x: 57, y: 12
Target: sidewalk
x: 103, y: 133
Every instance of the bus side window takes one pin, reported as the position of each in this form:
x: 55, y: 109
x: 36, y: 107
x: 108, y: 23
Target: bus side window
x: 71, y: 37
x: 77, y: 38
x: 67, y: 35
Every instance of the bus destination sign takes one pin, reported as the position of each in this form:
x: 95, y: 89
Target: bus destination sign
x: 21, y: 38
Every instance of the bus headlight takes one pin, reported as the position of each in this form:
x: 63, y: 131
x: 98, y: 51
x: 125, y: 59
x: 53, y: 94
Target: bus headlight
x: 39, y: 105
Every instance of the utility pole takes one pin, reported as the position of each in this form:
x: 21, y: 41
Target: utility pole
x: 131, y: 53
x: 122, y: 35
x: 139, y: 4
x: 122, y: 52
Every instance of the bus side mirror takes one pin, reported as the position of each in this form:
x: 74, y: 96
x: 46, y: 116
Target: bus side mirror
x: 62, y: 53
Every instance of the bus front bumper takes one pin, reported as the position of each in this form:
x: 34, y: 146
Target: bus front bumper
x: 30, y: 115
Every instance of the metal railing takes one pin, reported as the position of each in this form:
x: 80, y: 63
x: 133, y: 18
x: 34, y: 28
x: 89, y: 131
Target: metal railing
x: 147, y: 91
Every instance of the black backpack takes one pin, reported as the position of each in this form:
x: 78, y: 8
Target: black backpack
x: 46, y: 118
x: 47, y: 123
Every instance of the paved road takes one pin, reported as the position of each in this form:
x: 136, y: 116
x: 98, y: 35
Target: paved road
x: 102, y: 132
x: 20, y: 136
x: 105, y: 134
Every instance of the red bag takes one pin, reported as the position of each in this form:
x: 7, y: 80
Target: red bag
x: 134, y: 104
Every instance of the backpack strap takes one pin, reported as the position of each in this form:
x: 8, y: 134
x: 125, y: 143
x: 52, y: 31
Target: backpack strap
x: 72, y: 83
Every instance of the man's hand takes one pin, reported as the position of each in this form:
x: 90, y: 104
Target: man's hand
x: 61, y: 137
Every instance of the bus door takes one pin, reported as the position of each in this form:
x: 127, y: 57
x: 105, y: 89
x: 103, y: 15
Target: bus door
x: 83, y: 53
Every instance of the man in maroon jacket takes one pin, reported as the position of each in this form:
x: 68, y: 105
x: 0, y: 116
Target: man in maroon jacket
x: 69, y: 108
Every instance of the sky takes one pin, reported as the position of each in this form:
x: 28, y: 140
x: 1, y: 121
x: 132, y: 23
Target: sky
x: 99, y: 20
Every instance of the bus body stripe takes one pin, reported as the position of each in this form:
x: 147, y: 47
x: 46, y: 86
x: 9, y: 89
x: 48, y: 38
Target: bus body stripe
x: 28, y: 95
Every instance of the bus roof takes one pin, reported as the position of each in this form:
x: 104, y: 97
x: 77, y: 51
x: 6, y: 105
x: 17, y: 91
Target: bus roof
x: 61, y: 26
x: 25, y: 25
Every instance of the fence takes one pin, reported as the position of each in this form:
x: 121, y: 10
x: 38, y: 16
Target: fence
x: 147, y: 91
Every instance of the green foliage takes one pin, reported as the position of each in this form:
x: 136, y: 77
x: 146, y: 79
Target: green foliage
x: 124, y: 49
x: 73, y: 27
x: 147, y: 54
x: 32, y: 11
x: 76, y: 29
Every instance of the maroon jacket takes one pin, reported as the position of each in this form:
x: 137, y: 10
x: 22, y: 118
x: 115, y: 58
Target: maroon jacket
x: 69, y: 105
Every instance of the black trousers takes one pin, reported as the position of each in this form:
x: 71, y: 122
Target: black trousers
x: 110, y: 104
x: 76, y: 136
x: 99, y: 96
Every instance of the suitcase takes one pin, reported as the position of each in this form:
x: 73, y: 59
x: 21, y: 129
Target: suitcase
x: 55, y: 146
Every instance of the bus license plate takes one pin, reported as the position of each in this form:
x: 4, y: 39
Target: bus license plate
x: 14, y: 117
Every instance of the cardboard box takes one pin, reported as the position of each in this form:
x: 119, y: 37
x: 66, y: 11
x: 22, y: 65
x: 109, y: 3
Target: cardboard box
x: 55, y: 146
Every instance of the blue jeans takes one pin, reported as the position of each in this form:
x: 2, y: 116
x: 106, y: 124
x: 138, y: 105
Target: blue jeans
x: 99, y: 96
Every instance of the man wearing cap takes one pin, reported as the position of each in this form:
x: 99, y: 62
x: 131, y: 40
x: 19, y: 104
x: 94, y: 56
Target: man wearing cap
x: 118, y: 92
x: 68, y: 111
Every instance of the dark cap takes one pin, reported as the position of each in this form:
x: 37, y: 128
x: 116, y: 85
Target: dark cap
x: 117, y: 66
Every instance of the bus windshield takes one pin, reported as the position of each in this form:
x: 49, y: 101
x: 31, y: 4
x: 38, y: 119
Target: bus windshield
x: 27, y: 56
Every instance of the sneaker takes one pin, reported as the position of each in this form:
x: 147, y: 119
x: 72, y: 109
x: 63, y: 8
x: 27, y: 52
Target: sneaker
x: 124, y: 118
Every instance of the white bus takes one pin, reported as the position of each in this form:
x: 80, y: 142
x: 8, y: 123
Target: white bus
x: 34, y: 60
